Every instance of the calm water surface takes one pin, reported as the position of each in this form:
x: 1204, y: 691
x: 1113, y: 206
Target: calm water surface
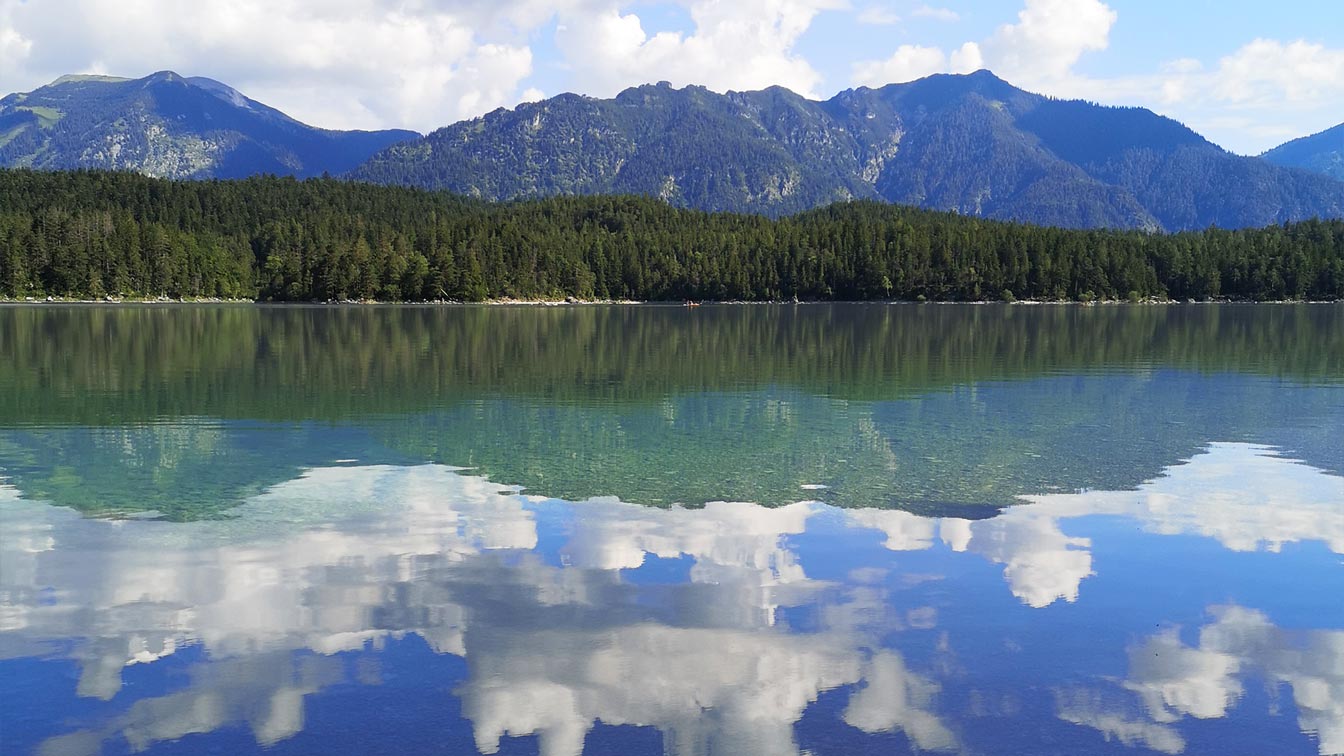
x: 628, y: 530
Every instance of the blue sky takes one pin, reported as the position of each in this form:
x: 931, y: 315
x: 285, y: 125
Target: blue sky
x: 1247, y: 74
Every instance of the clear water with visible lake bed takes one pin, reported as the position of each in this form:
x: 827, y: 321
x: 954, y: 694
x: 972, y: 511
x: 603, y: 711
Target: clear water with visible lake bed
x: 794, y: 529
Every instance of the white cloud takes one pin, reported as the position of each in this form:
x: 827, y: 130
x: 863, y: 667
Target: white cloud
x: 1182, y: 66
x: 1039, y: 51
x: 937, y: 14
x: 909, y: 62
x: 1265, y: 92
x: 14, y: 48
x: 1267, y: 72
x: 350, y: 63
x: 1048, y: 39
x: 967, y: 58
x: 735, y: 45
x: 878, y: 15
x: 421, y: 64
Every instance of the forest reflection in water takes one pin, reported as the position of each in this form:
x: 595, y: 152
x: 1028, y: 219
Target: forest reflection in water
x: 187, y: 411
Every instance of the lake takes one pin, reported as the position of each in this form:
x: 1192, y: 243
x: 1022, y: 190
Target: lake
x: 757, y: 529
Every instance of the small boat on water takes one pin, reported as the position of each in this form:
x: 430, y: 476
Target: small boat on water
x: 692, y: 304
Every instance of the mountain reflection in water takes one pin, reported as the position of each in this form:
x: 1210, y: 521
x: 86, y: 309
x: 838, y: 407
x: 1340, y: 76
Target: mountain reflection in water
x: 733, y: 628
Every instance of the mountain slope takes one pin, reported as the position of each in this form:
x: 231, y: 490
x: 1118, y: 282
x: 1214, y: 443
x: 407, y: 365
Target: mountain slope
x: 973, y: 144
x: 169, y: 126
x: 1322, y: 153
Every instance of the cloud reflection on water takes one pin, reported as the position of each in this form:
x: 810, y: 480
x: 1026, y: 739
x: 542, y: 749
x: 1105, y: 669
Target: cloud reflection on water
x: 1173, y: 680
x: 346, y: 558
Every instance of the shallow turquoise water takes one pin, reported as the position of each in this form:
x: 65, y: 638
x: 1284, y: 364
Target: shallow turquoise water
x: 773, y: 530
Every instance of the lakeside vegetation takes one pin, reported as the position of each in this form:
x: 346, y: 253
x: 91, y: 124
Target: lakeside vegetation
x: 97, y: 234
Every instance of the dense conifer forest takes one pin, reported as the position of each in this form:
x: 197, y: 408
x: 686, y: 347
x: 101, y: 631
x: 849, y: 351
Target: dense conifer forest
x: 96, y: 234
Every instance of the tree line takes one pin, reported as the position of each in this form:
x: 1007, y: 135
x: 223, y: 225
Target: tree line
x: 95, y: 234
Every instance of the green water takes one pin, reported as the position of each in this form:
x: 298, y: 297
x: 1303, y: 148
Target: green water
x: 186, y: 411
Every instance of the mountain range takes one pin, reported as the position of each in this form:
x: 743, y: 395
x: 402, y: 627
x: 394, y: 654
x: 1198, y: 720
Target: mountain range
x: 169, y: 126
x: 971, y: 143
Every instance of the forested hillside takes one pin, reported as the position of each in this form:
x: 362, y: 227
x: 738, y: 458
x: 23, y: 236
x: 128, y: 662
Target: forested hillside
x: 91, y: 234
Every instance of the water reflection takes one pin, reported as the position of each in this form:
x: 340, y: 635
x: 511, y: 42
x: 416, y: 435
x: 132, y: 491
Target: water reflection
x: 1205, y: 680
x: 966, y: 451
x: 724, y: 628
x: 1275, y: 503
x: 190, y: 411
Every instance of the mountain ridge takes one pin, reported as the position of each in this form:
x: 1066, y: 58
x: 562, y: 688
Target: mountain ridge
x: 1322, y: 152
x: 972, y: 143
x: 170, y: 126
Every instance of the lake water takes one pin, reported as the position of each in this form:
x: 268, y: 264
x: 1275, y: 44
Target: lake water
x: 813, y: 529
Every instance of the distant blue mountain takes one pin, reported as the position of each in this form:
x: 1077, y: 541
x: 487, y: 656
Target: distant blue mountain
x: 974, y: 144
x: 170, y: 126
x: 1322, y: 153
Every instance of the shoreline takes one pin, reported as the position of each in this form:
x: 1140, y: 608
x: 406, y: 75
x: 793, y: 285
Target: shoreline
x: 573, y: 302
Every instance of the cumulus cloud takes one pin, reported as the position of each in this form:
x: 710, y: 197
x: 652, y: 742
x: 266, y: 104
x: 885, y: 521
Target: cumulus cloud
x: 352, y: 63
x: 909, y: 62
x: 1048, y: 39
x: 735, y: 45
x: 1038, y: 51
x: 418, y: 64
x: 1264, y: 92
x: 1266, y: 71
x: 14, y: 49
